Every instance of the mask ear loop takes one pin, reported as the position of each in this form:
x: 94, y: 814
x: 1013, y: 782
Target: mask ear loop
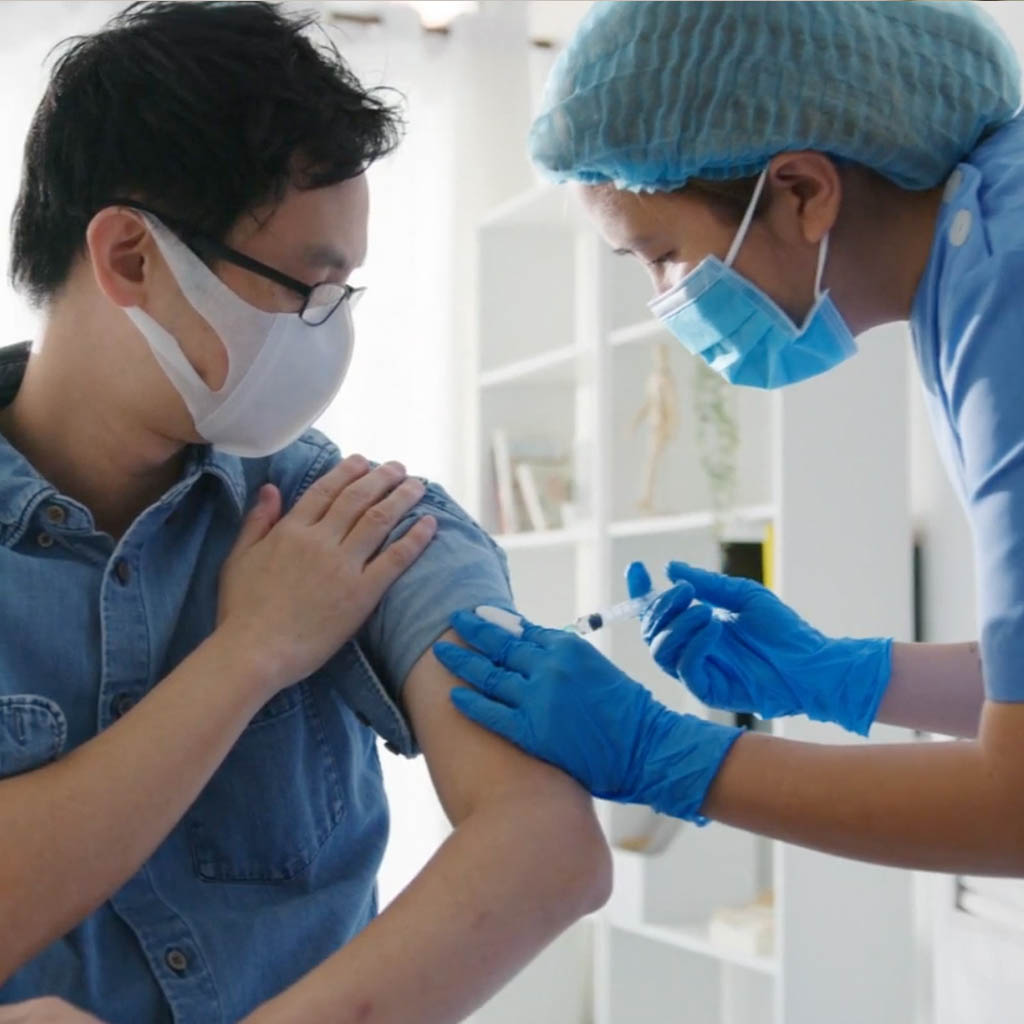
x: 747, y: 218
x: 822, y: 256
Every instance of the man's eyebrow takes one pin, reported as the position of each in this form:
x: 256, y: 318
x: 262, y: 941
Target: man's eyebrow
x: 326, y: 256
x: 623, y: 252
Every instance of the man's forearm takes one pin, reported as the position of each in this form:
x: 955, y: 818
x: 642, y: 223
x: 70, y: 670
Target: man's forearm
x: 946, y: 806
x: 72, y: 833
x: 935, y: 688
x: 512, y: 876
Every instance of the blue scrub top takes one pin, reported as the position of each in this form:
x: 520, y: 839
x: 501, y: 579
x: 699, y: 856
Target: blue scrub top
x: 968, y: 328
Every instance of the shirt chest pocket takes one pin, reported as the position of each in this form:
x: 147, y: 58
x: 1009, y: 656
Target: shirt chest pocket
x: 270, y: 807
x: 33, y: 731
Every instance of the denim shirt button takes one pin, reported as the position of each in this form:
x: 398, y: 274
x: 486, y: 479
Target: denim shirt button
x: 176, y: 960
x: 123, y: 572
x: 44, y: 540
x: 122, y: 704
x: 56, y: 515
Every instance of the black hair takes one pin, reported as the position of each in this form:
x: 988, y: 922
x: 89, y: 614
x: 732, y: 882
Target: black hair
x: 208, y: 109
x: 730, y: 196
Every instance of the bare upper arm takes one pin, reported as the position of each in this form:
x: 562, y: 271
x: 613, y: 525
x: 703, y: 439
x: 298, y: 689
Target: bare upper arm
x: 468, y: 764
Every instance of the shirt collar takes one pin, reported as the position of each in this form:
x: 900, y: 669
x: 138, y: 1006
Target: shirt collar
x: 22, y: 489
x: 960, y: 194
x: 205, y: 459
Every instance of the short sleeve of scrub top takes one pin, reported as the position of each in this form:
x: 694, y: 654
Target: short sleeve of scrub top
x: 968, y: 326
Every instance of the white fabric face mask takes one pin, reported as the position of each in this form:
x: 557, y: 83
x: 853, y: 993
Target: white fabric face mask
x: 282, y: 372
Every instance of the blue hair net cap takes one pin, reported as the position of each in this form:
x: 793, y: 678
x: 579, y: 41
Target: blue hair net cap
x: 650, y: 94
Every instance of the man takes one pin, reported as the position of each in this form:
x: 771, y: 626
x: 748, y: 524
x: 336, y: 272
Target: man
x: 191, y: 808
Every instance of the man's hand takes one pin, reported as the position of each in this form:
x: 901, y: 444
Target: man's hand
x: 297, y: 587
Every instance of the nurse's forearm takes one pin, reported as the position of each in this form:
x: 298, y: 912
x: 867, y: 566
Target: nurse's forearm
x: 73, y: 832
x: 935, y: 688
x: 952, y: 806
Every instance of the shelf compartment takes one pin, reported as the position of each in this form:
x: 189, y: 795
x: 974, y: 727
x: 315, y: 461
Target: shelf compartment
x: 537, y: 418
x: 645, y: 330
x: 529, y: 540
x: 739, y: 521
x: 682, y: 486
x: 694, y: 939
x: 652, y: 982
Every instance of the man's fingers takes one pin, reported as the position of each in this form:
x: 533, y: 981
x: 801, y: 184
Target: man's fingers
x: 387, y: 566
x: 372, y: 528
x: 363, y: 498
x: 322, y: 492
x: 259, y: 519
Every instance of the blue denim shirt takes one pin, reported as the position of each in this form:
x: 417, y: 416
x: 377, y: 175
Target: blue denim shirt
x: 273, y: 867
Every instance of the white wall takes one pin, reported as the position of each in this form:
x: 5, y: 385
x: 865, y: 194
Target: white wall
x: 28, y: 31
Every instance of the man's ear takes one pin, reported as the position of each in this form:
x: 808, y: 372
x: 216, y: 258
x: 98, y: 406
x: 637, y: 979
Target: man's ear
x: 121, y: 252
x: 808, y: 184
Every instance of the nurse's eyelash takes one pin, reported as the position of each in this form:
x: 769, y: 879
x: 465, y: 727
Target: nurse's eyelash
x: 660, y: 260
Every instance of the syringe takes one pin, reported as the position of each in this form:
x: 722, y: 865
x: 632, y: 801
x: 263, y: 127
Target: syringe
x: 631, y: 609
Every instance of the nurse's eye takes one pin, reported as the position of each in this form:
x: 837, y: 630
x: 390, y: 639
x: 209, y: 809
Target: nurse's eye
x: 660, y: 261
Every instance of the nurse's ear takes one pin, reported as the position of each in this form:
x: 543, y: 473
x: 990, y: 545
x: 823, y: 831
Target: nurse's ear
x: 806, y: 191
x: 120, y: 251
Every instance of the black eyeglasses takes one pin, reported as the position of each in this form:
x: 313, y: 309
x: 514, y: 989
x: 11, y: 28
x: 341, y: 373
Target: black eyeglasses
x: 320, y: 300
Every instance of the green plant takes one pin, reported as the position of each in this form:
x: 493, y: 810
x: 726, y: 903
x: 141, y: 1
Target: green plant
x: 717, y: 438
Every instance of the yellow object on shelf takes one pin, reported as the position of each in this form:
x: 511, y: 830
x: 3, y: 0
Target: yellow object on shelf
x: 768, y: 556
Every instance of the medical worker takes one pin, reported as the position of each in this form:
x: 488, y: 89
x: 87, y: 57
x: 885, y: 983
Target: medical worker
x: 792, y: 174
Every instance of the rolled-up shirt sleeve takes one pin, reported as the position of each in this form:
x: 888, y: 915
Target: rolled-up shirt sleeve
x: 461, y: 568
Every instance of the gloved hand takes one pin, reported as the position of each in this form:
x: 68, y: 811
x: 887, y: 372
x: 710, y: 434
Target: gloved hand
x: 555, y: 696
x: 738, y: 647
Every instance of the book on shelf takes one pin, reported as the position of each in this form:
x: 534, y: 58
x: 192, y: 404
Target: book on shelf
x: 531, y: 496
x: 508, y: 513
x: 533, y: 481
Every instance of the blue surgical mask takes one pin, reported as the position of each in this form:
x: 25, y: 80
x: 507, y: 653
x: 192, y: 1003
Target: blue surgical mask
x: 741, y: 333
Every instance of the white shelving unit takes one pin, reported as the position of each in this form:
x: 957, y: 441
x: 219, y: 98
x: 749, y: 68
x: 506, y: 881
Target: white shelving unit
x: 565, y: 348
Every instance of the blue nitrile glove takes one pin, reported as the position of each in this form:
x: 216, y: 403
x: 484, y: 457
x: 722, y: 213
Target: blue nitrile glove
x: 555, y: 696
x: 740, y: 648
